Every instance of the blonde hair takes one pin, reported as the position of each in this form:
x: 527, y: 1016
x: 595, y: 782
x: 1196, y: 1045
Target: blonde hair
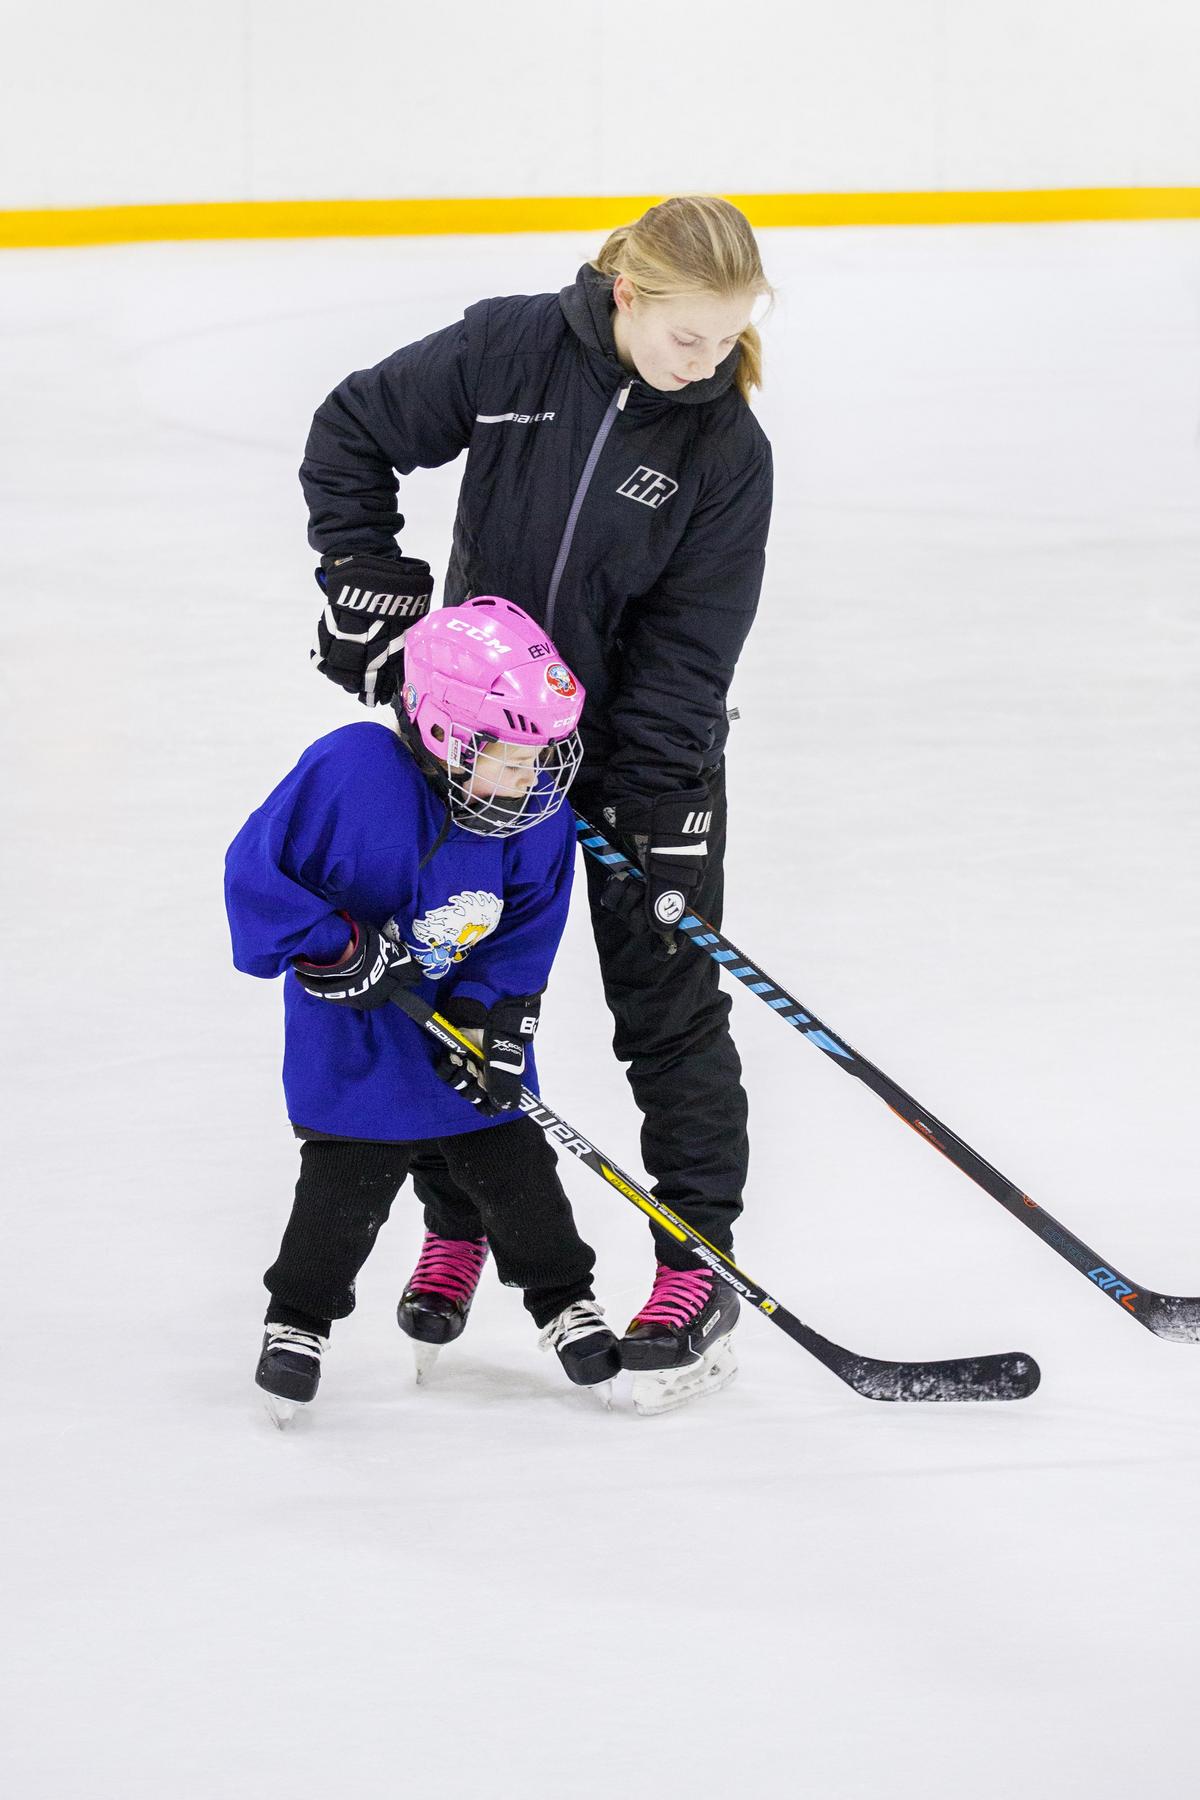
x: 690, y: 244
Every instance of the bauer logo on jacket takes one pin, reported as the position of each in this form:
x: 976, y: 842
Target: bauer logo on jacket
x: 648, y: 486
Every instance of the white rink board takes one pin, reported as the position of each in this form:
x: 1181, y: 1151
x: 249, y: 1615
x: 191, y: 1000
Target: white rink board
x: 294, y: 99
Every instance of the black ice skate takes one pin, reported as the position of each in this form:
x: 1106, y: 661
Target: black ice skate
x: 679, y: 1345
x: 289, y: 1370
x: 434, y: 1306
x: 587, y: 1349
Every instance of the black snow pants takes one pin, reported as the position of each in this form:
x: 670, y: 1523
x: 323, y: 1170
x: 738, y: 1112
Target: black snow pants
x: 504, y: 1186
x: 672, y: 1029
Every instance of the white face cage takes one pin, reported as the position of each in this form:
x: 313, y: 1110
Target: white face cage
x: 497, y: 789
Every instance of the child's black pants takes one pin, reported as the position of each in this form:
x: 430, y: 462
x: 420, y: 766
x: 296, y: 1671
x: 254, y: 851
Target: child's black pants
x: 507, y: 1191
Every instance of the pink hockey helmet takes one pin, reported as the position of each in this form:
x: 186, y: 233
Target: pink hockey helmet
x: 483, y: 688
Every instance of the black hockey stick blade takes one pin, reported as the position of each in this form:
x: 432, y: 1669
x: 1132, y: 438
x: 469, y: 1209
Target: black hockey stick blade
x: 1013, y: 1375
x: 1174, y: 1317
x: 1171, y: 1316
x: 1006, y: 1377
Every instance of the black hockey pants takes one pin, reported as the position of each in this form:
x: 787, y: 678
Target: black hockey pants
x: 506, y: 1188
x: 672, y: 1028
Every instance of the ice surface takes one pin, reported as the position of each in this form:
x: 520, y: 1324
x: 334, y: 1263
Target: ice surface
x: 964, y: 833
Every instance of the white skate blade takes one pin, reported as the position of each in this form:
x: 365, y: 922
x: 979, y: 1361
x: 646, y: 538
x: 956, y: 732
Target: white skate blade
x: 281, y: 1412
x: 425, y: 1357
x: 662, y: 1390
x: 604, y: 1392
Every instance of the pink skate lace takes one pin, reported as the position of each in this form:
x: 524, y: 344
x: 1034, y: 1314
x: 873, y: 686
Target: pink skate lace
x: 676, y: 1297
x: 449, y: 1266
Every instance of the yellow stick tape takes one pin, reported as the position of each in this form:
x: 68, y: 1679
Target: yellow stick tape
x: 598, y: 212
x: 644, y: 1201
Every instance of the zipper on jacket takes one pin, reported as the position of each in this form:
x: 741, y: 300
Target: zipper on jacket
x: 615, y: 405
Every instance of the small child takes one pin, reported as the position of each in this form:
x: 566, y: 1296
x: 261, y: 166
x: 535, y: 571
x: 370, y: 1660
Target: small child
x: 438, y: 858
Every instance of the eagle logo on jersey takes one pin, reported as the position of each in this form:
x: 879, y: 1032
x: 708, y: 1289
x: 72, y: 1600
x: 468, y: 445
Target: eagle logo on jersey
x: 446, y: 933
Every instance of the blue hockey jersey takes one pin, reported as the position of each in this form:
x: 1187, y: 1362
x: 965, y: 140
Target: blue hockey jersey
x: 347, y: 831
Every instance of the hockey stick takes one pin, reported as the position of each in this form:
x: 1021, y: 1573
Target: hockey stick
x: 1007, y: 1377
x: 1172, y: 1316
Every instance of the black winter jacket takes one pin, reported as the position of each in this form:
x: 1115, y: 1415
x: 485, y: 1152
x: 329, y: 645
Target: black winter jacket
x: 631, y: 523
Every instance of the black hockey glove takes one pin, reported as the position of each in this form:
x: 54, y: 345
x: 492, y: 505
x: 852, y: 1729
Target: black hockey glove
x: 668, y: 836
x: 379, y: 966
x: 370, y: 602
x: 493, y: 1084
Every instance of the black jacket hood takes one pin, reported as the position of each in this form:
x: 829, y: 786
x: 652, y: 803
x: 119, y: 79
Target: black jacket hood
x: 588, y: 308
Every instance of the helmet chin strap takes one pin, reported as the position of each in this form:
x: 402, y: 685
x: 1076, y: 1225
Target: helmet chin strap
x: 495, y: 809
x: 434, y: 772
x: 430, y: 766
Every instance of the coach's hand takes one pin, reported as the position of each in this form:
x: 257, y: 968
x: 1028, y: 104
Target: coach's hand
x: 668, y: 836
x: 370, y: 602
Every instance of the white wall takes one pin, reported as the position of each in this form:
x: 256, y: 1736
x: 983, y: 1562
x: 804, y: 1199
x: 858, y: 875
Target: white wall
x: 154, y: 100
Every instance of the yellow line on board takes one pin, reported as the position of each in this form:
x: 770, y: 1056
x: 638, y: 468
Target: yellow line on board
x: 1015, y: 206
x: 598, y: 212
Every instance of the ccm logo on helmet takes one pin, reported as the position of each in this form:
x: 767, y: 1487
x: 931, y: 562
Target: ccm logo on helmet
x: 474, y: 631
